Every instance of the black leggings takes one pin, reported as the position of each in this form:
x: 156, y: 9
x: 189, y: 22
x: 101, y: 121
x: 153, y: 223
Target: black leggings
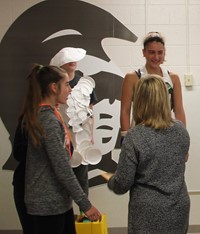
x: 26, y: 220
x: 55, y: 224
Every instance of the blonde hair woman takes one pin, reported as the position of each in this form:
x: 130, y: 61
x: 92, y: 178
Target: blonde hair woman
x: 151, y: 103
x: 152, y: 164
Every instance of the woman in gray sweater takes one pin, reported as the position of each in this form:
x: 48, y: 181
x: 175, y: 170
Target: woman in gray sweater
x: 152, y: 164
x: 50, y: 184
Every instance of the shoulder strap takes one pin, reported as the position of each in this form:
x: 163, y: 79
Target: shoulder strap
x: 138, y: 72
x: 170, y: 91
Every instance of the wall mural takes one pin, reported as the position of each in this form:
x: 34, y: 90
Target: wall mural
x: 36, y: 36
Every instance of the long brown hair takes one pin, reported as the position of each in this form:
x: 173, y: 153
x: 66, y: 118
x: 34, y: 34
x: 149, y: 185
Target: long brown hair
x: 151, y: 105
x: 39, y: 80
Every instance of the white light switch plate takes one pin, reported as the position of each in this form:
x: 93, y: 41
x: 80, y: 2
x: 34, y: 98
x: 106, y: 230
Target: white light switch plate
x: 188, y: 80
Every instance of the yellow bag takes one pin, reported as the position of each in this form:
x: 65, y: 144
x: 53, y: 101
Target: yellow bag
x: 97, y: 227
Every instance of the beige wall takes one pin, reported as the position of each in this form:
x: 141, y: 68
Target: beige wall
x: 180, y: 26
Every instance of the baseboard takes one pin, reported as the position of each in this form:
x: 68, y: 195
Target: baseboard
x: 119, y: 230
x: 194, y: 229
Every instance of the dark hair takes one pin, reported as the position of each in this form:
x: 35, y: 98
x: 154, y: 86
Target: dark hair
x: 39, y: 79
x: 153, y: 36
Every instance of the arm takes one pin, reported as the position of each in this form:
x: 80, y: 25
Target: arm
x: 178, y: 103
x: 93, y: 101
x: 127, y: 92
x: 186, y: 157
x: 92, y: 127
x: 124, y: 177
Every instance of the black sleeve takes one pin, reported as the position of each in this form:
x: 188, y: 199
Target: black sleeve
x: 93, y: 98
x: 20, y: 142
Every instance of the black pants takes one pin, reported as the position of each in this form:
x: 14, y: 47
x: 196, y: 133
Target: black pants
x: 26, y: 220
x: 55, y: 224
x: 31, y: 224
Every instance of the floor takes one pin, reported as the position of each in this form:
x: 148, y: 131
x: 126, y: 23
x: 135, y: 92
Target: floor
x: 111, y: 231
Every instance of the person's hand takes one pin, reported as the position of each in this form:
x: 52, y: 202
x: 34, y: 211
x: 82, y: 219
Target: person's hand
x: 93, y: 214
x: 107, y: 175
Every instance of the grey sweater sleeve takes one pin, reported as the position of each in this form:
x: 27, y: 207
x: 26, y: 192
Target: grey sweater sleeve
x: 60, y: 161
x: 124, y: 177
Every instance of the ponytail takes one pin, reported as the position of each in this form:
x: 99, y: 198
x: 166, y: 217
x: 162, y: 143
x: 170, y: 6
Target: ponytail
x: 39, y: 80
x: 33, y: 99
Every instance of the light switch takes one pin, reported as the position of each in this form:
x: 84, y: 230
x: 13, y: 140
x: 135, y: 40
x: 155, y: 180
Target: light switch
x: 188, y: 80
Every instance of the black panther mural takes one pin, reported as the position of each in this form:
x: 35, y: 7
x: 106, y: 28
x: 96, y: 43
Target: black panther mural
x: 37, y: 35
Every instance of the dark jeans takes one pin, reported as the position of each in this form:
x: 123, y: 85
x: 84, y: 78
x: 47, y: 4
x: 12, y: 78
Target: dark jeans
x: 26, y: 220
x: 55, y: 224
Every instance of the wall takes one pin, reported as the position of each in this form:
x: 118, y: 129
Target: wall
x: 179, y: 23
